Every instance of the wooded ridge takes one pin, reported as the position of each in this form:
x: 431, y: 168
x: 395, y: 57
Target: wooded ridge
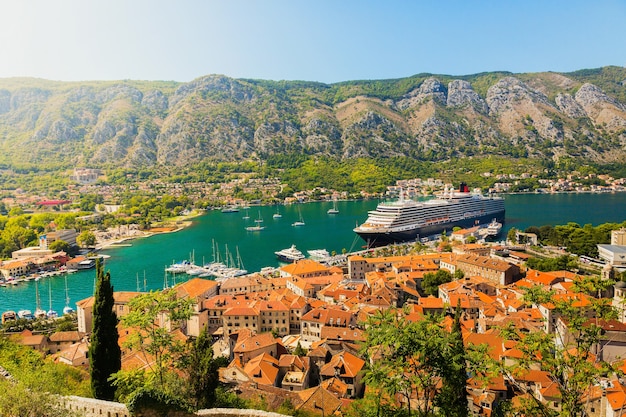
x: 426, y: 117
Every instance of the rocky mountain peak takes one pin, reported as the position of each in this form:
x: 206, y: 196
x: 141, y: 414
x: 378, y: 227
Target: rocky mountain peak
x: 430, y: 89
x: 461, y: 93
x: 568, y: 105
x: 589, y: 95
x: 505, y: 93
x: 118, y: 92
x: 218, y: 85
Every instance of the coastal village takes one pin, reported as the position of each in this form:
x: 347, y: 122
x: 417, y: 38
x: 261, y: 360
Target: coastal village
x: 295, y: 333
x: 86, y: 182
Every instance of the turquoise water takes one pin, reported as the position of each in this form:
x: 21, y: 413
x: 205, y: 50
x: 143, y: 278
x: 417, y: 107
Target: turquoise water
x: 142, y: 264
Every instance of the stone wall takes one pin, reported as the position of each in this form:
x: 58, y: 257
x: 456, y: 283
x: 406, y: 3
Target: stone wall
x: 90, y: 407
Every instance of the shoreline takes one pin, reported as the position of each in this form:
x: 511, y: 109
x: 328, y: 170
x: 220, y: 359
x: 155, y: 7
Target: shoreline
x: 179, y: 223
x: 182, y: 222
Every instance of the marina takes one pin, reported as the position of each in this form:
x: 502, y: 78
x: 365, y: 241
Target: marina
x: 141, y: 266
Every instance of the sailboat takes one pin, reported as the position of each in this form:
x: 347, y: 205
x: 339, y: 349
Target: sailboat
x: 216, y: 265
x: 247, y: 216
x: 67, y: 309
x: 258, y: 226
x: 334, y: 209
x: 39, y: 312
x: 277, y: 215
x: 299, y: 222
x: 51, y: 313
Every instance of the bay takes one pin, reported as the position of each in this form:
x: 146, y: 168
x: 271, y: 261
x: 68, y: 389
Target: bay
x: 141, y: 265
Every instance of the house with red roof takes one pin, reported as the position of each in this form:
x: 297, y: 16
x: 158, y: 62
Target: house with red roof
x: 262, y: 369
x: 347, y: 368
x: 294, y: 372
x: 241, y: 317
x: 315, y: 320
x: 253, y: 346
x: 196, y: 290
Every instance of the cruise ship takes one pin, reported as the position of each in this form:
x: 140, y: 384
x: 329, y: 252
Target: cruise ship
x: 406, y: 220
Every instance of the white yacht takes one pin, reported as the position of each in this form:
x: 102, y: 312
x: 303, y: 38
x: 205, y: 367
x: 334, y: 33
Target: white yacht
x: 290, y: 254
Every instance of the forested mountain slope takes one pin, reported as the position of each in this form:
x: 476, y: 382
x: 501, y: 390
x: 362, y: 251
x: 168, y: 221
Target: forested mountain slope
x: 427, y: 117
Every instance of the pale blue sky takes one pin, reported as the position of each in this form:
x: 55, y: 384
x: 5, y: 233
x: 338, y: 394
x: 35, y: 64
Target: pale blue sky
x: 317, y: 40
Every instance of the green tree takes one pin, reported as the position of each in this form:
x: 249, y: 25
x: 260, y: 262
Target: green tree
x: 203, y: 371
x: 86, y: 239
x: 432, y: 281
x: 19, y: 401
x: 299, y: 350
x: 60, y: 246
x: 566, y: 355
x: 407, y: 359
x: 152, y: 315
x: 452, y: 400
x: 104, y: 350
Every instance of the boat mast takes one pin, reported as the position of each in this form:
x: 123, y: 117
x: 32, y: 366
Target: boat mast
x: 67, y: 296
x: 50, y: 294
x: 239, y: 260
x: 37, y: 299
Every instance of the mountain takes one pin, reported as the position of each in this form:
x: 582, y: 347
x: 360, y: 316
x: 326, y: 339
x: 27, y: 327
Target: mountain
x: 432, y: 117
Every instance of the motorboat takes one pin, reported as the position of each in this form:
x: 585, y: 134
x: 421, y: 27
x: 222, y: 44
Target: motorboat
x: 290, y: 254
x: 318, y: 254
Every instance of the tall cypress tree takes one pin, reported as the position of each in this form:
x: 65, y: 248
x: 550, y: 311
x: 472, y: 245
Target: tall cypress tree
x: 105, y: 355
x: 203, y: 371
x: 452, y: 399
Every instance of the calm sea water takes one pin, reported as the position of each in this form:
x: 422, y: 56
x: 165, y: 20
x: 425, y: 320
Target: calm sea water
x: 141, y: 265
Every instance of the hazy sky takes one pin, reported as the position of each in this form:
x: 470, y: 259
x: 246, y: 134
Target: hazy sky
x: 314, y: 40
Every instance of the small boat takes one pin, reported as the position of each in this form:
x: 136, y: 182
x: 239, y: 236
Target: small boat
x: 494, y: 228
x: 258, y: 226
x: 318, y: 254
x: 51, y: 314
x: 25, y: 314
x: 231, y: 269
x: 196, y: 271
x: 300, y: 221
x: 230, y: 209
x: 39, y: 312
x: 67, y: 309
x: 179, y: 267
x: 333, y: 209
x: 491, y: 230
x: 8, y: 315
x: 289, y: 255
